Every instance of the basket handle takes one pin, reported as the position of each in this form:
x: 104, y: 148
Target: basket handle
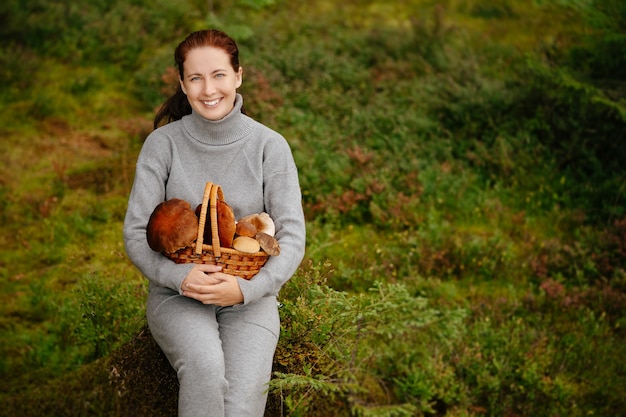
x: 209, y: 202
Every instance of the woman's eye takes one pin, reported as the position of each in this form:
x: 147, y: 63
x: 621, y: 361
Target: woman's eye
x: 219, y: 75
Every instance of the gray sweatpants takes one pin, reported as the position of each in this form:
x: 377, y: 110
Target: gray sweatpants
x: 222, y: 355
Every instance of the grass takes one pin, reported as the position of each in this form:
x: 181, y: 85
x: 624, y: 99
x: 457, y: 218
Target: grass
x: 461, y: 180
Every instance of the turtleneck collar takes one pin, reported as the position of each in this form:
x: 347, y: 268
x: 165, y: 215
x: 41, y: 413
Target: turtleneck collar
x: 233, y: 127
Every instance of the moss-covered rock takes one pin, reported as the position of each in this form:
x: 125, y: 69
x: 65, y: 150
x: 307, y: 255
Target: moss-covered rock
x: 134, y: 381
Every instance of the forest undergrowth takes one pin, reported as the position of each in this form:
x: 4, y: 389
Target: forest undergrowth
x: 462, y: 168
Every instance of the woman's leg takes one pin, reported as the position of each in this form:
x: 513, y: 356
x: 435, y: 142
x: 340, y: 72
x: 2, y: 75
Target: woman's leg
x: 188, y: 334
x: 249, y: 335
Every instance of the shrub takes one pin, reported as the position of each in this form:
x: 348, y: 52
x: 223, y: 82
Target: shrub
x: 511, y: 365
x: 373, y: 350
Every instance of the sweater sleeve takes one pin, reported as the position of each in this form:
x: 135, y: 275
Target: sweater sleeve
x: 148, y: 191
x: 283, y: 202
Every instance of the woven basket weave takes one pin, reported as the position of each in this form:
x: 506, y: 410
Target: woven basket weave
x: 233, y: 262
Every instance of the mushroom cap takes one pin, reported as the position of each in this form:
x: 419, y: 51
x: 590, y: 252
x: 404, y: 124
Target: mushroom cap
x: 246, y: 244
x: 268, y: 243
x: 246, y: 229
x: 226, y: 226
x: 172, y: 226
x: 262, y: 221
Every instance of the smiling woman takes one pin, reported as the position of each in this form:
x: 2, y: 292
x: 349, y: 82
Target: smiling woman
x: 210, y: 82
x: 209, y: 74
x: 218, y: 331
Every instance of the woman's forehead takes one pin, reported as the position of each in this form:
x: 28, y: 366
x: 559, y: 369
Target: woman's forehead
x: 207, y: 58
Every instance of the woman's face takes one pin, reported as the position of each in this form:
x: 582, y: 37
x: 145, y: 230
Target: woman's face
x: 210, y: 82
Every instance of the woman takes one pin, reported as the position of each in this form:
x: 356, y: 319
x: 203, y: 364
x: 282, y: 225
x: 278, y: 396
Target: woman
x: 218, y: 331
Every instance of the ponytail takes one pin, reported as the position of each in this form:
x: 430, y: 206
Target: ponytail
x: 173, y: 109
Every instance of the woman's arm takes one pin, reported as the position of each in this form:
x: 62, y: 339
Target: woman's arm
x: 148, y: 191
x: 283, y: 202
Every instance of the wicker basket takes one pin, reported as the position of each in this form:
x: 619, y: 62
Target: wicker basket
x: 233, y: 262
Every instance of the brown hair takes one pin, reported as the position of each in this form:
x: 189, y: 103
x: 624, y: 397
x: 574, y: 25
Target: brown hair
x: 177, y: 105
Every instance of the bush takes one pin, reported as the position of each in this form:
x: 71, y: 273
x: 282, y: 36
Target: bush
x: 374, y: 350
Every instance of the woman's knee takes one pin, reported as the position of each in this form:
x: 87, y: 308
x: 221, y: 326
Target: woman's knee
x: 202, y: 372
x: 203, y: 388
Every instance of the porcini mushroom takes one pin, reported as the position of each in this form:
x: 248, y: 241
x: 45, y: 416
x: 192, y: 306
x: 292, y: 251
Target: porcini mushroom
x: 245, y: 229
x: 246, y: 244
x: 172, y: 226
x: 262, y: 221
x: 226, y: 225
x: 268, y: 243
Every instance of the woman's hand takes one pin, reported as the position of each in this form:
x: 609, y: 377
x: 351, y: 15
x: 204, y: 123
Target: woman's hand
x: 207, y: 284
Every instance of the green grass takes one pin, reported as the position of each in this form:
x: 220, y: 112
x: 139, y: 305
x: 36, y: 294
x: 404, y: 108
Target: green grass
x: 462, y: 173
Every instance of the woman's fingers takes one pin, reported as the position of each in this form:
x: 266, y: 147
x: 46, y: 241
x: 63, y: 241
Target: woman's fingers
x: 217, y: 288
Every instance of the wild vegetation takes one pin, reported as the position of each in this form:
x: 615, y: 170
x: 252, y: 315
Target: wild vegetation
x: 462, y: 165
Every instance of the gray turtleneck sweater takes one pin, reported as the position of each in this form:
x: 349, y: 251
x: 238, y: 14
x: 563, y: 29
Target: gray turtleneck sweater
x: 255, y: 168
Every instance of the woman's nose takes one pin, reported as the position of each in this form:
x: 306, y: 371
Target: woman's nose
x: 209, y: 88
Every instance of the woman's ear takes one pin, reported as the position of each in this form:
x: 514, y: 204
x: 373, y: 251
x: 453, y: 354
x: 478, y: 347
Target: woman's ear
x: 182, y: 86
x: 239, y: 77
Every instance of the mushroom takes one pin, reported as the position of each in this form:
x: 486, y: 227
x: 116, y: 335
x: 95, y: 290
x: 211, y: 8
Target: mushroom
x: 268, y: 243
x: 262, y: 221
x: 246, y: 244
x: 226, y: 225
x: 245, y: 229
x: 172, y: 226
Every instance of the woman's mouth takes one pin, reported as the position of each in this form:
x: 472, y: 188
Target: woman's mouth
x: 211, y: 103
